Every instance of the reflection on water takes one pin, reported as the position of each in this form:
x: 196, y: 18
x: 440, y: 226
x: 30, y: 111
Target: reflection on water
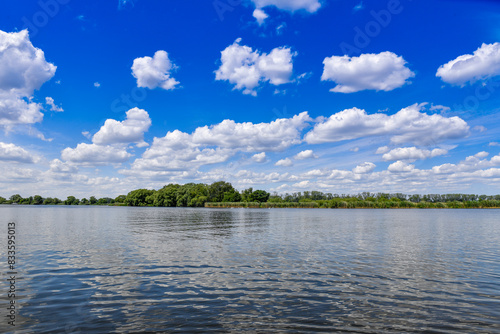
x: 118, y: 269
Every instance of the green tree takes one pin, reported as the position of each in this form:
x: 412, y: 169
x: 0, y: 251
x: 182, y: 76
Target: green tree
x: 16, y: 198
x: 105, y: 201
x: 191, y: 194
x: 138, y: 197
x: 120, y: 199
x: 231, y: 197
x: 245, y: 194
x: 217, y: 191
x: 2, y: 200
x: 84, y: 201
x: 261, y: 196
x: 166, y: 196
x: 27, y: 200
x: 92, y: 200
x: 71, y: 200
x: 37, y: 200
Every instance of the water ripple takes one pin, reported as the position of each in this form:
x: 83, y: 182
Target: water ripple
x: 124, y: 270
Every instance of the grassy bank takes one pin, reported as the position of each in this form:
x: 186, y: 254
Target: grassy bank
x: 361, y: 204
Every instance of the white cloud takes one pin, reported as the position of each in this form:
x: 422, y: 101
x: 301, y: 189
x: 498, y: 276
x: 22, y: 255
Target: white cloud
x: 17, y: 177
x: 154, y: 72
x: 310, y: 6
x: 365, y: 167
x: 494, y: 143
x: 259, y: 157
x: 97, y: 85
x: 260, y: 15
x: 15, y: 111
x: 13, y: 153
x: 273, y: 136
x: 177, y: 152
x: 131, y: 130
x: 408, y: 125
x: 440, y: 108
x: 384, y: 71
x: 23, y: 69
x: 92, y: 154
x: 180, y: 151
x: 284, y: 162
x: 57, y: 166
x: 382, y: 150
x: 412, y: 153
x: 50, y: 102
x: 109, y: 144
x: 481, y: 155
x: 472, y: 163
x: 483, y: 64
x: 246, y: 69
x: 307, y: 154
x: 400, y: 167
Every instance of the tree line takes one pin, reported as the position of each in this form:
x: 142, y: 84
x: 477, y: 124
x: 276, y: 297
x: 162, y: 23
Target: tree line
x: 223, y: 194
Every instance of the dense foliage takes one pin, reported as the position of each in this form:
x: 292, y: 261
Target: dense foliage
x: 223, y: 194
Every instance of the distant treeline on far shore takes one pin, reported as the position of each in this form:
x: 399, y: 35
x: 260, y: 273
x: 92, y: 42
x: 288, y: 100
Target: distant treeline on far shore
x: 222, y: 194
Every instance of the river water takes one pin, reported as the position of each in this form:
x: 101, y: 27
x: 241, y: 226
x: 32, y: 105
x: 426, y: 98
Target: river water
x: 123, y: 270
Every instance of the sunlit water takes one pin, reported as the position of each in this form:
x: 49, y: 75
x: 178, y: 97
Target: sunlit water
x: 122, y: 270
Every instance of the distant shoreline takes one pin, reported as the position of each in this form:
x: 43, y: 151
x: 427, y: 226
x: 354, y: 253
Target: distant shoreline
x: 350, y: 205
x: 264, y: 206
x: 222, y: 194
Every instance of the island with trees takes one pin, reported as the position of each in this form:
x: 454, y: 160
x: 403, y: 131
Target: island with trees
x: 222, y: 194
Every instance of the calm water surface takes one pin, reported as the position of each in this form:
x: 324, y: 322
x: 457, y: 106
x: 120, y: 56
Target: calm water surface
x: 123, y: 270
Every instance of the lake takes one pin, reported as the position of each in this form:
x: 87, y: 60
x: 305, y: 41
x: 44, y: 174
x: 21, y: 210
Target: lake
x: 127, y: 269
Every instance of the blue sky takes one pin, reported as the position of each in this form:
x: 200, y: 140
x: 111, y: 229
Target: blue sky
x: 99, y: 98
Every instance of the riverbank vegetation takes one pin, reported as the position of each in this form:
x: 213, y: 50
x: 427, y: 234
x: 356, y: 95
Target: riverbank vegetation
x: 223, y: 195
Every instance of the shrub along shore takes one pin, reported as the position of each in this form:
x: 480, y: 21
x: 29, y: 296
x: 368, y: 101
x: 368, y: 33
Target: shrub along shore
x: 223, y: 195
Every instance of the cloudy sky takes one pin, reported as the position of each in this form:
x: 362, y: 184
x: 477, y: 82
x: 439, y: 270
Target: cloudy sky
x: 341, y: 96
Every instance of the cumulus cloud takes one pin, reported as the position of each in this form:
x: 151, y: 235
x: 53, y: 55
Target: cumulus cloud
x: 400, y: 167
x: 412, y: 153
x: 260, y: 15
x: 131, y: 130
x: 93, y: 154
x: 246, y: 69
x: 13, y: 153
x: 472, y: 163
x: 177, y: 152
x: 409, y: 125
x: 23, y: 69
x: 484, y: 63
x: 53, y: 107
x: 307, y: 154
x: 180, y: 151
x: 481, y: 155
x: 247, y: 136
x: 109, y: 144
x: 154, y: 72
x: 259, y: 157
x: 365, y: 167
x: 382, y: 150
x: 384, y: 71
x: 284, y: 162
x: 57, y: 166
